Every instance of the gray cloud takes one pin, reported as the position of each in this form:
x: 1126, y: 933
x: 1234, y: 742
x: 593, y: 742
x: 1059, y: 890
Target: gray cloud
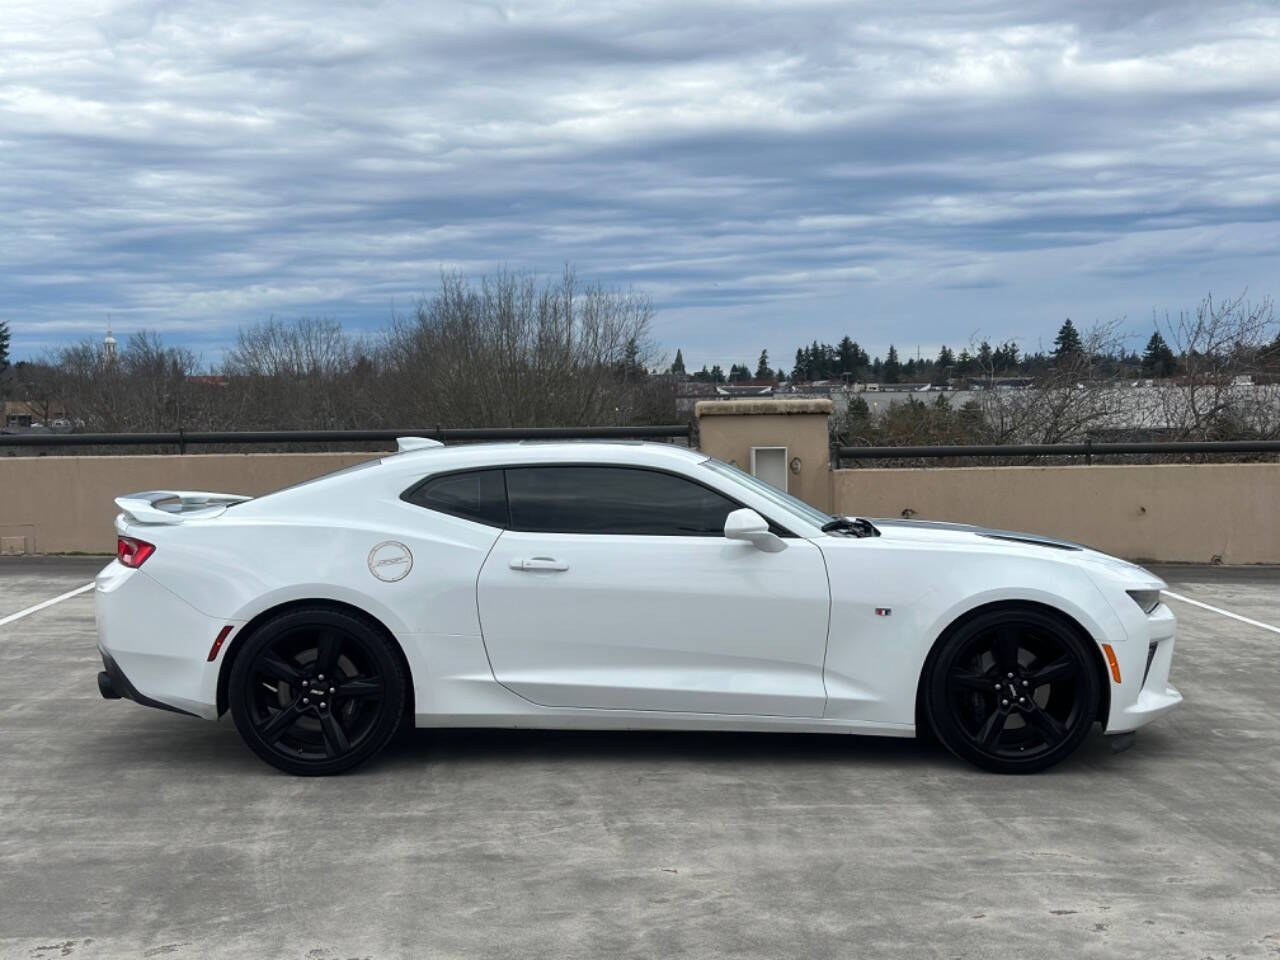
x: 770, y: 174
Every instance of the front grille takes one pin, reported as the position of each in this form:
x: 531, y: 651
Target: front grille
x: 1151, y: 655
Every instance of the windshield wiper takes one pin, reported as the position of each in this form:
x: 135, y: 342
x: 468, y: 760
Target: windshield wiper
x: 854, y: 525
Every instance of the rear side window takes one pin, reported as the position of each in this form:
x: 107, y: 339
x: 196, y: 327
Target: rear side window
x: 478, y: 495
x: 616, y: 500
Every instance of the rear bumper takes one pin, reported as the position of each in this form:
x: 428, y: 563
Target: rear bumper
x: 155, y: 646
x: 114, y: 685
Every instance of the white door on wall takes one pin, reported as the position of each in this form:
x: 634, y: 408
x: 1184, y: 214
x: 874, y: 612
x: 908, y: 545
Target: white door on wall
x: 770, y: 465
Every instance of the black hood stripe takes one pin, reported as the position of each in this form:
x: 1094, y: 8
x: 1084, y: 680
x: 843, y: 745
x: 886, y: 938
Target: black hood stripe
x: 1013, y: 536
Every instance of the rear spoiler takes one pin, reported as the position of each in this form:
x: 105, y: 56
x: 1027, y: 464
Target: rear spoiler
x: 175, y: 506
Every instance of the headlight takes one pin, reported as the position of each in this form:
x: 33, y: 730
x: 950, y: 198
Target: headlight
x: 1148, y: 600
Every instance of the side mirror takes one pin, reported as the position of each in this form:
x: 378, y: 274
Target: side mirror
x: 746, y: 524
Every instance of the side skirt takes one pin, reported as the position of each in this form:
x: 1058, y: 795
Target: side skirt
x: 570, y: 719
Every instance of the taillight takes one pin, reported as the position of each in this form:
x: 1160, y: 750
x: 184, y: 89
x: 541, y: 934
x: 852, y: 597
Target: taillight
x: 132, y: 552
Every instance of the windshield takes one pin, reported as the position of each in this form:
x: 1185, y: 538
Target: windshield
x: 768, y: 491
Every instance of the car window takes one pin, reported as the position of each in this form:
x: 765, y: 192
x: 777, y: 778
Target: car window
x: 478, y: 495
x: 618, y: 500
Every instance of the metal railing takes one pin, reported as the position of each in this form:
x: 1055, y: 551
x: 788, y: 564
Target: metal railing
x: 182, y: 439
x: 1088, y: 449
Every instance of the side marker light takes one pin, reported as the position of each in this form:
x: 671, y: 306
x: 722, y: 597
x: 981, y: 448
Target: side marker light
x: 1111, y: 662
x: 217, y: 644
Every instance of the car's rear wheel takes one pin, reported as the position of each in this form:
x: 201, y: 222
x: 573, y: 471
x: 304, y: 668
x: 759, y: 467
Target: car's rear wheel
x: 1014, y: 690
x: 317, y: 691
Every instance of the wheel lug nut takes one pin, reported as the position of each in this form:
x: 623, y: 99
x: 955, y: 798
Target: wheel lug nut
x: 1009, y: 675
x: 1024, y: 683
x: 323, y: 704
x: 305, y: 700
x: 1022, y: 699
x: 321, y: 677
x: 1004, y: 703
x: 331, y: 689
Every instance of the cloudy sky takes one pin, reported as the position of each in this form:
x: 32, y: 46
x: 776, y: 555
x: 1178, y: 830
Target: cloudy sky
x: 768, y: 173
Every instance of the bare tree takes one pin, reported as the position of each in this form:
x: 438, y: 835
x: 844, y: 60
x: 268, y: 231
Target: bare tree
x: 1075, y: 397
x: 508, y: 351
x: 305, y: 373
x: 140, y: 389
x: 1220, y: 347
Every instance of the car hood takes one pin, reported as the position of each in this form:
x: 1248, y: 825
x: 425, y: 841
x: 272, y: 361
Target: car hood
x: 962, y: 534
x: 937, y: 531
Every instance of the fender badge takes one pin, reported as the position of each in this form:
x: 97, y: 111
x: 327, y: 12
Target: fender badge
x: 390, y: 561
x: 883, y: 611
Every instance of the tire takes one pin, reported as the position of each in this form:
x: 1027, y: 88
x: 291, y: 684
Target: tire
x: 1014, y: 690
x: 301, y: 724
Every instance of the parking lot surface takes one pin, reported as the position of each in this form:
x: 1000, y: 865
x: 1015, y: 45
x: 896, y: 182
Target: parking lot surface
x: 129, y: 832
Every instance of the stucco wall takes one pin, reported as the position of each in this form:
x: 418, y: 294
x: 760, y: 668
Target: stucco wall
x: 728, y: 429
x: 1193, y: 512
x: 65, y: 504
x: 1200, y: 513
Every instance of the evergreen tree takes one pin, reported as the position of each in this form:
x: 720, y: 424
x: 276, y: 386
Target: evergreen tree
x: 1005, y: 356
x: 1158, y: 360
x: 631, y: 358
x: 800, y: 370
x: 817, y: 362
x: 847, y: 357
x: 763, y: 370
x: 677, y: 365
x: 964, y: 364
x: 1067, y: 343
x: 945, y: 359
x: 877, y: 368
x: 703, y: 375
x: 892, y: 368
x: 1271, y: 355
x: 4, y: 346
x: 985, y: 362
x: 717, y: 375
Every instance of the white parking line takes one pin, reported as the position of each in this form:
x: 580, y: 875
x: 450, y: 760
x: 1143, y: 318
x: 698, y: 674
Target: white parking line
x: 1225, y: 613
x: 47, y: 603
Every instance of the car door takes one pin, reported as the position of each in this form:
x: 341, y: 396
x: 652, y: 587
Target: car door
x: 614, y: 588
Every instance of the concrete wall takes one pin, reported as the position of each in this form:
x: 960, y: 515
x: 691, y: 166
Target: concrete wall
x: 728, y: 429
x: 1199, y: 513
x: 64, y: 504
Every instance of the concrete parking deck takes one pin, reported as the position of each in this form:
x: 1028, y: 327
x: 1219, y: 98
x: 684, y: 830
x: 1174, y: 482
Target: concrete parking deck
x: 133, y: 832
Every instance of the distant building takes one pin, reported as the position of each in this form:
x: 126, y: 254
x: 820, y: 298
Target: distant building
x: 19, y: 416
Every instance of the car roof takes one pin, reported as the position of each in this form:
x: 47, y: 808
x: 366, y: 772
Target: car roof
x: 464, y: 456
x: 399, y: 470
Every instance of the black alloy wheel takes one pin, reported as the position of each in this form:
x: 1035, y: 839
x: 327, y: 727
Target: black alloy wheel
x: 1014, y: 691
x: 317, y: 691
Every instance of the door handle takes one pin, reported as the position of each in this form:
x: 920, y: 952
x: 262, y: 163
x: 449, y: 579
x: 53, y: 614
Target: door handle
x: 539, y: 563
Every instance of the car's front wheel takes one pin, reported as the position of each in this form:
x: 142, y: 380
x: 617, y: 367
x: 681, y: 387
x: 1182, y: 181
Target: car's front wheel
x: 1014, y: 690
x: 317, y: 691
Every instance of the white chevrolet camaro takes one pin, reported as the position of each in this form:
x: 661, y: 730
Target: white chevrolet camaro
x: 613, y: 586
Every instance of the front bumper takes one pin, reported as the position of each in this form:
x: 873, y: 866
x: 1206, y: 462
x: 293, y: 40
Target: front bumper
x: 1144, y: 658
